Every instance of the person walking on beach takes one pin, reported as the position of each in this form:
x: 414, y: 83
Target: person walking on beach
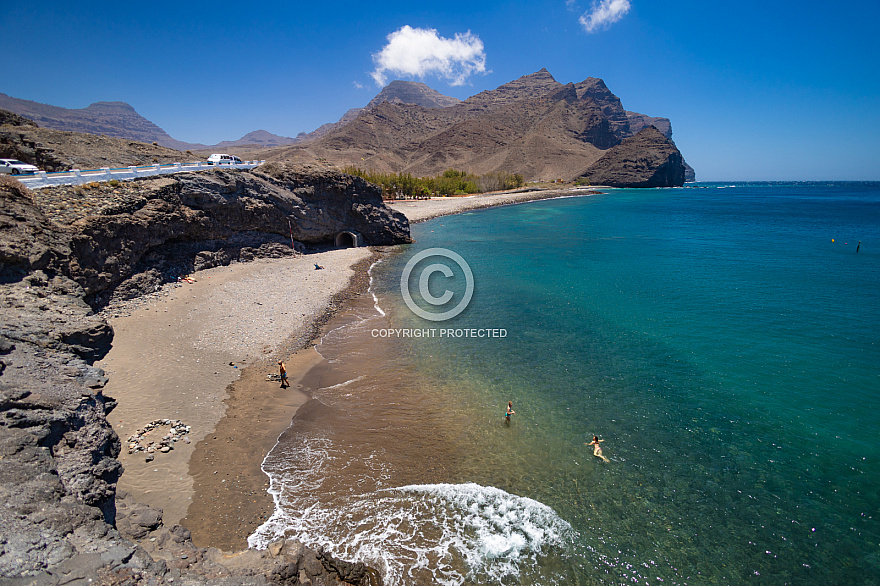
x: 283, y: 372
x: 597, y: 449
x: 510, y: 412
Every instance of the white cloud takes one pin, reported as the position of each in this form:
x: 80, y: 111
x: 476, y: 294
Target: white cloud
x: 420, y: 51
x: 603, y: 14
x: 357, y: 85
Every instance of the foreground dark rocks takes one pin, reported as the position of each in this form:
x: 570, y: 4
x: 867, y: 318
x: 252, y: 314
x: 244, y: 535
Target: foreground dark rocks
x: 62, y: 520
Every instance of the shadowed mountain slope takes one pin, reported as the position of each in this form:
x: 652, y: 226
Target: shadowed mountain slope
x: 647, y: 159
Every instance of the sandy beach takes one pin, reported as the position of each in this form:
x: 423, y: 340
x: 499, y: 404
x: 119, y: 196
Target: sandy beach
x: 187, y: 354
x: 421, y: 210
x: 201, y: 352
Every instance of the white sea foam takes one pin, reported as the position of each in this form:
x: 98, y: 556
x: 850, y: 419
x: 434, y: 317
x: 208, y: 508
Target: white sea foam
x: 372, y: 292
x: 419, y: 534
x: 346, y: 383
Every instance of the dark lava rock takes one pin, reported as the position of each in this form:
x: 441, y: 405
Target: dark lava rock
x: 647, y: 159
x: 29, y: 241
x: 124, y: 241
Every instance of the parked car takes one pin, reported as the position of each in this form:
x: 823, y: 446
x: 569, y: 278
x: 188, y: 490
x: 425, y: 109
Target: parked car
x: 15, y: 167
x: 221, y: 159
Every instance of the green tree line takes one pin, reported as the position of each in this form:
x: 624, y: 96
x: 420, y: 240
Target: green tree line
x: 451, y: 182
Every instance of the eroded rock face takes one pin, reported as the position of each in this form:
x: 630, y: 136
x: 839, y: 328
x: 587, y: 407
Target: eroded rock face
x: 648, y: 159
x: 121, y: 236
x: 28, y: 240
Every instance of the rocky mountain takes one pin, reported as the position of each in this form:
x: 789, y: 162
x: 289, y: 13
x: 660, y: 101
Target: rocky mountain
x: 116, y: 119
x: 258, y: 138
x: 527, y: 87
x: 396, y: 92
x: 533, y: 125
x: 412, y: 92
x: 648, y: 159
x: 637, y: 122
x: 120, y: 120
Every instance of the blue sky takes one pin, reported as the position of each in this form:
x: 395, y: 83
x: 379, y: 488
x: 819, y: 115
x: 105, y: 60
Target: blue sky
x: 755, y: 90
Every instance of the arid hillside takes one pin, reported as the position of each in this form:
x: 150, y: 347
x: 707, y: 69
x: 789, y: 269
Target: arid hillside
x: 61, y: 150
x: 534, y: 126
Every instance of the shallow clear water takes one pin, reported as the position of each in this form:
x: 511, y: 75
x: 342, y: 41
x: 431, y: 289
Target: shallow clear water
x: 726, y: 350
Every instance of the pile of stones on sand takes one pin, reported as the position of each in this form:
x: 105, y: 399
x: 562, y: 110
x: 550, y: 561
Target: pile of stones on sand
x: 178, y: 432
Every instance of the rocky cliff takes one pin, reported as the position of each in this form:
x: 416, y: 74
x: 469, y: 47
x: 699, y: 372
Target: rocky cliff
x: 62, y: 519
x: 648, y: 159
x: 136, y: 235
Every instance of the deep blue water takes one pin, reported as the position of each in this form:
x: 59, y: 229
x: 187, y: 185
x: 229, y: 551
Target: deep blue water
x: 724, y: 342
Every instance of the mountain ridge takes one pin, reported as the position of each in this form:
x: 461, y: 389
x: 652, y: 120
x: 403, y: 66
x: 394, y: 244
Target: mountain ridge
x: 533, y: 125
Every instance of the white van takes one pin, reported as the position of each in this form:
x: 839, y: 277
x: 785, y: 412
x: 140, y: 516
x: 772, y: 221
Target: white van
x: 221, y: 159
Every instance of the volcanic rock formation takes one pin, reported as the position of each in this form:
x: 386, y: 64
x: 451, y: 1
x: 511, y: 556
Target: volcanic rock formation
x: 647, y: 159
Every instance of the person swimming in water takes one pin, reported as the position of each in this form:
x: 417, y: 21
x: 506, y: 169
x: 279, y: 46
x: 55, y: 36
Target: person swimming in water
x: 510, y: 412
x: 597, y: 449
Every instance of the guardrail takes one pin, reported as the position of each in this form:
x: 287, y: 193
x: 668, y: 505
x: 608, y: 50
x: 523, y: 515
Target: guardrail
x: 78, y: 177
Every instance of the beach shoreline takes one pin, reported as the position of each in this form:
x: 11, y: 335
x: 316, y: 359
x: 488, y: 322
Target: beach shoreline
x: 214, y: 484
x: 422, y: 210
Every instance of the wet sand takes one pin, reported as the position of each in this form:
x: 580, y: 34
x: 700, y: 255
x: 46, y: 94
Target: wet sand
x: 229, y: 499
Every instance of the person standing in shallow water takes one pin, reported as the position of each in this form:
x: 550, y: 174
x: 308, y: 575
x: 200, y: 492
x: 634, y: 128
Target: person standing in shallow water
x: 283, y: 372
x: 510, y: 412
x: 597, y: 449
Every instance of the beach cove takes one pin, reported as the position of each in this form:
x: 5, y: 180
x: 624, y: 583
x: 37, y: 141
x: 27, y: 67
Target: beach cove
x: 404, y: 460
x: 200, y: 352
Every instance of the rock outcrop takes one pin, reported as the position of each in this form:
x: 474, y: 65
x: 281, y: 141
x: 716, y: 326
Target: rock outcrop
x: 12, y: 119
x: 62, y: 519
x: 128, y: 239
x: 648, y: 159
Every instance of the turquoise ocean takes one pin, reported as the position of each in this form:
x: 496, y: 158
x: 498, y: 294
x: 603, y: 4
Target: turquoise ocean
x: 723, y: 339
